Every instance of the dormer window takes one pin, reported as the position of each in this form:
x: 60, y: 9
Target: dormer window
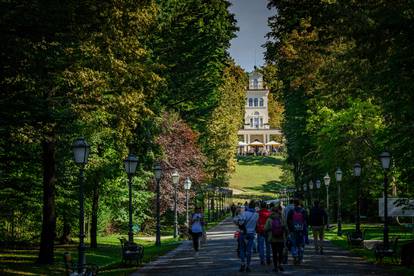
x: 255, y: 83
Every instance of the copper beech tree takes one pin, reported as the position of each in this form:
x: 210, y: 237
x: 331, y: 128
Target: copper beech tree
x: 181, y: 152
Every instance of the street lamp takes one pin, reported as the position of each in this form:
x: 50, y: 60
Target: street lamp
x: 385, y: 158
x: 357, y: 174
x: 175, y: 178
x: 310, y: 190
x: 81, y: 153
x: 318, y: 186
x: 305, y: 189
x: 187, y: 187
x: 158, y: 175
x: 209, y: 189
x: 338, y: 177
x: 130, y: 167
x: 327, y: 181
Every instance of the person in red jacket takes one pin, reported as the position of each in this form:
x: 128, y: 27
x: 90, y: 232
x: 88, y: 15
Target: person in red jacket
x: 262, y: 241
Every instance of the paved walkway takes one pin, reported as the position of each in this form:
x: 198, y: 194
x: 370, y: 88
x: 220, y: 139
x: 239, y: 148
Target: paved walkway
x: 218, y: 257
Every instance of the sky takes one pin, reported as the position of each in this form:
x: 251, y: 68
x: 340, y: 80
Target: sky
x: 251, y: 16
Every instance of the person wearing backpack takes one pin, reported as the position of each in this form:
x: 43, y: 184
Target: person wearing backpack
x: 276, y: 235
x: 262, y: 240
x: 197, y: 222
x: 297, y: 223
x: 247, y: 222
x: 318, y: 219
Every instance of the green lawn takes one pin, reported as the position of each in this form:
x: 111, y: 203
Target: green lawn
x: 258, y: 175
x: 107, y: 257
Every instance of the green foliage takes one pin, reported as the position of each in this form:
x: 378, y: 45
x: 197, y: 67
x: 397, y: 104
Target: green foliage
x: 108, y: 71
x: 220, y: 137
x: 344, y: 74
x: 191, y: 42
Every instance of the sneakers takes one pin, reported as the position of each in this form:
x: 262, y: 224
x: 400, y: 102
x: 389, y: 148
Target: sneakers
x: 268, y: 262
x: 242, y: 268
x: 262, y: 262
x: 275, y: 269
x: 281, y: 268
x: 248, y: 269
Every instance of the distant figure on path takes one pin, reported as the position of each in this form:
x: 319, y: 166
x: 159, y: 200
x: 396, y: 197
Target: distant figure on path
x: 247, y: 223
x: 296, y: 221
x: 276, y: 234
x: 318, y: 219
x: 197, y: 222
x: 262, y: 237
x: 233, y: 210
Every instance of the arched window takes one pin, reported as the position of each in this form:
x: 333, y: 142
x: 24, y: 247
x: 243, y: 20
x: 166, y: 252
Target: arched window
x: 250, y: 102
x: 255, y: 84
x: 261, y: 102
x: 256, y: 102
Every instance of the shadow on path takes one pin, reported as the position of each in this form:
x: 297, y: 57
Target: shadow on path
x: 218, y: 257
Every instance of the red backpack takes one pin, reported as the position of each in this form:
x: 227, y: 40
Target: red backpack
x: 263, y: 216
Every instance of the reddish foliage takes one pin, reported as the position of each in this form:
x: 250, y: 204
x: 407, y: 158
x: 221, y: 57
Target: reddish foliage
x: 179, y: 144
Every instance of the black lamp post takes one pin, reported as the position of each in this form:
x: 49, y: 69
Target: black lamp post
x: 327, y: 181
x: 187, y: 187
x: 305, y: 190
x: 81, y: 153
x: 385, y: 158
x: 338, y: 177
x: 310, y: 190
x: 175, y: 178
x: 131, y: 163
x: 318, y: 186
x: 158, y: 175
x: 357, y: 174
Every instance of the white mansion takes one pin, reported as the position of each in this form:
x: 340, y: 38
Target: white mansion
x: 256, y: 134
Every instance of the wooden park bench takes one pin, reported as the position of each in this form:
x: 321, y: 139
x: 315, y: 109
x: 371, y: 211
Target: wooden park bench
x: 131, y: 251
x: 355, y: 239
x: 380, y: 251
x: 71, y: 268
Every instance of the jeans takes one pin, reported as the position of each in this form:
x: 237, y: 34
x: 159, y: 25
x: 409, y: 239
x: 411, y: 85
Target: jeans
x: 262, y: 243
x: 246, y: 244
x: 297, y: 240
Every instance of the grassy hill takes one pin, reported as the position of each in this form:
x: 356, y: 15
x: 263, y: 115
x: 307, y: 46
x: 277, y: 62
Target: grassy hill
x: 257, y: 175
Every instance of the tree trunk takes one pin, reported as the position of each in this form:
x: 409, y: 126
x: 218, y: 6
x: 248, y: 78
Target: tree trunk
x: 65, y: 239
x: 94, y: 217
x: 49, y: 207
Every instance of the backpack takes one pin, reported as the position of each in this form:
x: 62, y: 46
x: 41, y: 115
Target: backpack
x: 261, y: 222
x: 277, y: 228
x: 298, y: 220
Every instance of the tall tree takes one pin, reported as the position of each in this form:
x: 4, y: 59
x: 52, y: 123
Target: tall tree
x: 220, y: 137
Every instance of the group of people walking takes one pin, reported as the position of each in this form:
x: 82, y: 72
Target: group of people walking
x: 279, y: 229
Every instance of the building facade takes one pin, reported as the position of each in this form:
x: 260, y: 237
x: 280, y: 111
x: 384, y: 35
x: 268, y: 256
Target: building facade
x: 256, y: 134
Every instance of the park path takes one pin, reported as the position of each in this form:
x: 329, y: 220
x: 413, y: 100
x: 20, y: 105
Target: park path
x: 218, y: 257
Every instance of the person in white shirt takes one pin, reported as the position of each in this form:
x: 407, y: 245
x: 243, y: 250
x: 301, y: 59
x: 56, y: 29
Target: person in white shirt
x: 197, y: 222
x: 247, y: 223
